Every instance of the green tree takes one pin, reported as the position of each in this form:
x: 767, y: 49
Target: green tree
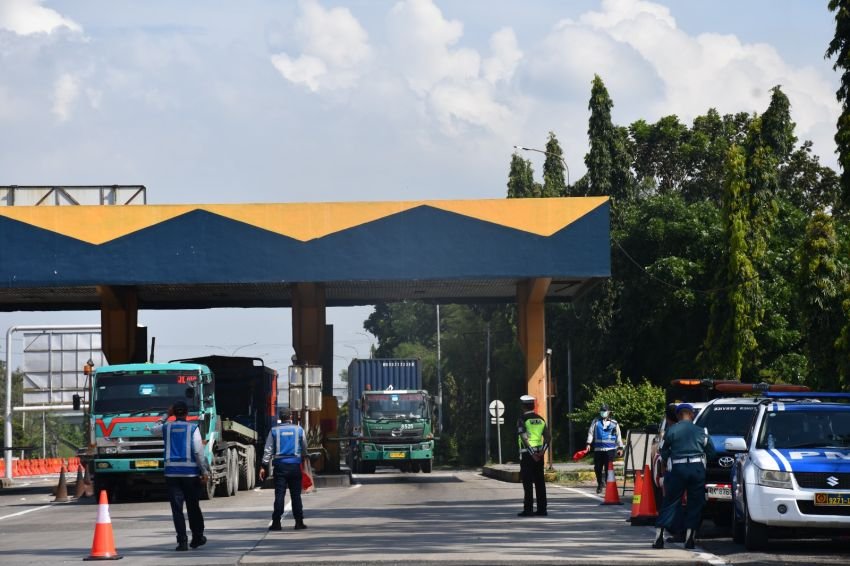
x: 820, y: 293
x: 601, y: 134
x: 842, y: 344
x: 777, y: 127
x: 554, y: 184
x: 839, y: 48
x: 521, y: 179
x: 632, y: 406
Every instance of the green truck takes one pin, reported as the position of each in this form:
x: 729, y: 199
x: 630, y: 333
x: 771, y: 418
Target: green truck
x: 233, y: 400
x: 391, y: 418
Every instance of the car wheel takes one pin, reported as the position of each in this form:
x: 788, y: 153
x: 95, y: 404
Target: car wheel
x: 737, y: 527
x: 755, y: 534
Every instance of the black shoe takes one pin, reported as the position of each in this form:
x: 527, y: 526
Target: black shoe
x: 541, y: 513
x: 300, y: 525
x: 525, y: 514
x: 690, y: 544
x: 198, y: 541
x: 659, y: 542
x: 275, y: 526
x: 599, y: 489
x: 182, y: 546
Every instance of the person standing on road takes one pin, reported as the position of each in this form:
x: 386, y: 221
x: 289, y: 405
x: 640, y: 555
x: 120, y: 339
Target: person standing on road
x: 185, y: 470
x: 533, y: 437
x: 604, y: 435
x: 684, y: 448
x: 286, y: 447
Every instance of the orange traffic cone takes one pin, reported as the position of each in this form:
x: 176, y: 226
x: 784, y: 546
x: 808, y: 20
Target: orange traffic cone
x: 611, y: 495
x: 647, y: 513
x: 61, y: 489
x: 103, y: 545
x: 636, y: 496
x: 80, y: 484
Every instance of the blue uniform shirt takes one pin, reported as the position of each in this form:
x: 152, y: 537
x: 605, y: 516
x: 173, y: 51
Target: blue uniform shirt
x: 287, y: 443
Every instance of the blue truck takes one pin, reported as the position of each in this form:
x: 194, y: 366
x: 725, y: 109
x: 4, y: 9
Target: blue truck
x: 233, y: 400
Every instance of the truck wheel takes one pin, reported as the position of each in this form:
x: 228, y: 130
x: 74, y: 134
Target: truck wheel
x: 426, y: 466
x: 755, y: 534
x: 368, y: 467
x: 234, y: 472
x: 252, y: 468
x: 208, y: 489
x: 245, y: 471
x: 224, y: 481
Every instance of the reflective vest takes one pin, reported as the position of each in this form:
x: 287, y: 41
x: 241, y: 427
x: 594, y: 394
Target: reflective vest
x: 179, y: 454
x: 287, y: 443
x: 533, y: 425
x: 605, y: 435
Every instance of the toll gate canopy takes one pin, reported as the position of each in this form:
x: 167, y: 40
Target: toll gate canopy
x: 250, y: 255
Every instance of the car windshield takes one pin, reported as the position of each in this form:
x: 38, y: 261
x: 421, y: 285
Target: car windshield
x: 396, y: 405
x: 727, y: 420
x: 127, y: 392
x: 807, y: 428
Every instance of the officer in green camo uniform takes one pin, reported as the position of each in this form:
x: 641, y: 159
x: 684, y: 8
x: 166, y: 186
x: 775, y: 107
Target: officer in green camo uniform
x: 684, y: 448
x: 533, y: 438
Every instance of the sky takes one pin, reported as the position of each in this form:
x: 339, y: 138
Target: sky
x: 319, y: 100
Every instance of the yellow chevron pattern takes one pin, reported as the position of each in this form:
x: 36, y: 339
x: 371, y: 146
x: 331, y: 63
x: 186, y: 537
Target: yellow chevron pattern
x: 301, y: 221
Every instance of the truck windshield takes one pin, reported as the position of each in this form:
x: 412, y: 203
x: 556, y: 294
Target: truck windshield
x: 727, y: 419
x: 395, y: 405
x: 819, y: 427
x: 128, y: 392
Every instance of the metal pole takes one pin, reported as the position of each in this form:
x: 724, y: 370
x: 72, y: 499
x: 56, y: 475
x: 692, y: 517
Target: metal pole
x: 548, y: 389
x: 43, y: 434
x: 570, y: 394
x: 487, y: 403
x: 499, y: 430
x: 439, y: 374
x: 305, y: 414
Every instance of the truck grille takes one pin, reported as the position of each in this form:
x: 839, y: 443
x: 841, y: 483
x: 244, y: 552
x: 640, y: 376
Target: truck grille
x: 822, y: 480
x: 398, y: 433
x: 809, y: 508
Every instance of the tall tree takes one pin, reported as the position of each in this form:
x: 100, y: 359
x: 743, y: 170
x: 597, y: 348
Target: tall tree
x: 601, y: 134
x: 554, y: 184
x: 776, y: 125
x: 842, y: 344
x: 839, y: 48
x: 521, y: 179
x: 820, y: 299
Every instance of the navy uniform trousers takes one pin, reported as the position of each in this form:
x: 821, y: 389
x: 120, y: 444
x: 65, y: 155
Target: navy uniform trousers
x: 683, y: 478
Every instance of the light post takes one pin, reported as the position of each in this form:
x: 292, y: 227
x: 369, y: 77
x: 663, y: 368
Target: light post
x: 356, y: 351
x: 567, y: 167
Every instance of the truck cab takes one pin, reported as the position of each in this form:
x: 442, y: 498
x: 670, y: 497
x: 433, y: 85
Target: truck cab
x: 397, y: 430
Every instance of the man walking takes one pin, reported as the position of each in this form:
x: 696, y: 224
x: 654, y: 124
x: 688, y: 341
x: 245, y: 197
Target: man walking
x: 604, y: 435
x: 185, y: 470
x: 286, y: 446
x: 684, y: 448
x: 533, y: 437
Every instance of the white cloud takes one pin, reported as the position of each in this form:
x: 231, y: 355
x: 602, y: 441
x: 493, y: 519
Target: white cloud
x: 506, y: 56
x: 26, y: 17
x: 65, y: 93
x: 334, y: 49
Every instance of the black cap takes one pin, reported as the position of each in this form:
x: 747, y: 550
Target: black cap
x: 603, y: 407
x: 285, y: 414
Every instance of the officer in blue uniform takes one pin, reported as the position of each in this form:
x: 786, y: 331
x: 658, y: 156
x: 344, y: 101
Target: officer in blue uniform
x: 286, y: 446
x: 684, y: 449
x: 185, y: 470
x: 533, y: 438
x: 604, y: 435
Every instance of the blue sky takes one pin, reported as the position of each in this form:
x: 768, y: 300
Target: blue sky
x: 366, y: 100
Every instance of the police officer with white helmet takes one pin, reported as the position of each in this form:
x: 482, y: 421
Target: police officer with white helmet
x: 533, y: 438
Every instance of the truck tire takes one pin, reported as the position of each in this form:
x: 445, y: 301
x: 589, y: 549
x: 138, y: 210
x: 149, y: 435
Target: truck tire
x: 368, y: 467
x: 427, y: 465
x: 224, y: 480
x: 252, y: 467
x: 245, y: 471
x: 208, y: 489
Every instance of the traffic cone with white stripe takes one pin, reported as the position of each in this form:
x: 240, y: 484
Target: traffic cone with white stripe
x: 612, y: 497
x: 103, y: 545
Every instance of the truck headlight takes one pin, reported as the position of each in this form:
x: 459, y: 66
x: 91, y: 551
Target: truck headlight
x: 770, y: 478
x: 109, y: 450
x: 425, y: 446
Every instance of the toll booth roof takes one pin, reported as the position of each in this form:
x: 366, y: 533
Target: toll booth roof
x: 229, y: 255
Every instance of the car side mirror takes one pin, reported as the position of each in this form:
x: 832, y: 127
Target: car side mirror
x: 735, y: 444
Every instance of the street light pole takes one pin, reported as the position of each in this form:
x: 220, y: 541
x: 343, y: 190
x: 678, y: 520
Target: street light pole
x: 564, y: 161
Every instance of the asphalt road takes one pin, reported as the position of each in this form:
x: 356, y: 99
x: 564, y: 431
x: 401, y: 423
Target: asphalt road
x: 445, y: 517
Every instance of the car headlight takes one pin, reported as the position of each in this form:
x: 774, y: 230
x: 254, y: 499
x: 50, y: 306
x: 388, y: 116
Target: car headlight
x: 771, y: 478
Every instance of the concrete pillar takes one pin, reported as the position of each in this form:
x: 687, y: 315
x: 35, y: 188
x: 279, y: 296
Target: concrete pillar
x: 308, y: 322
x: 531, y: 295
x: 119, y: 314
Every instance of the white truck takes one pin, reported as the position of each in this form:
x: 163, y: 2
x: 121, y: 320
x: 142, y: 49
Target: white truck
x: 792, y: 470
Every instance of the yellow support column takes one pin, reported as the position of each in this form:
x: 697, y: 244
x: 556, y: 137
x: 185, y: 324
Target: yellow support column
x: 531, y: 295
x: 119, y: 314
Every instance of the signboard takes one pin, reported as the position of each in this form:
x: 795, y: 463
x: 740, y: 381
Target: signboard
x: 497, y: 409
x: 53, y: 363
x: 500, y: 420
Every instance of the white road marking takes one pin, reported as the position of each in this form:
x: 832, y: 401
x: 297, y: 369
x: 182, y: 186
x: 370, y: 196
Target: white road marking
x: 25, y: 512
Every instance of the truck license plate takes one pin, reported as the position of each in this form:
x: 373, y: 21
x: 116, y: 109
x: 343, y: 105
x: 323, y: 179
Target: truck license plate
x: 147, y: 464
x: 719, y: 491
x: 837, y: 499
x: 398, y: 455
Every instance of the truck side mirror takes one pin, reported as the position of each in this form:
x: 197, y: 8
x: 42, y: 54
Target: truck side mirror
x: 77, y: 402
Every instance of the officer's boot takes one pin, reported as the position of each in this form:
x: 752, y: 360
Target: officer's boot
x: 275, y: 526
x: 659, y: 538
x: 689, y: 538
x: 299, y: 524
x: 182, y: 544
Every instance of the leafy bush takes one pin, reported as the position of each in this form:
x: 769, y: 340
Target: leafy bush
x: 632, y: 406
